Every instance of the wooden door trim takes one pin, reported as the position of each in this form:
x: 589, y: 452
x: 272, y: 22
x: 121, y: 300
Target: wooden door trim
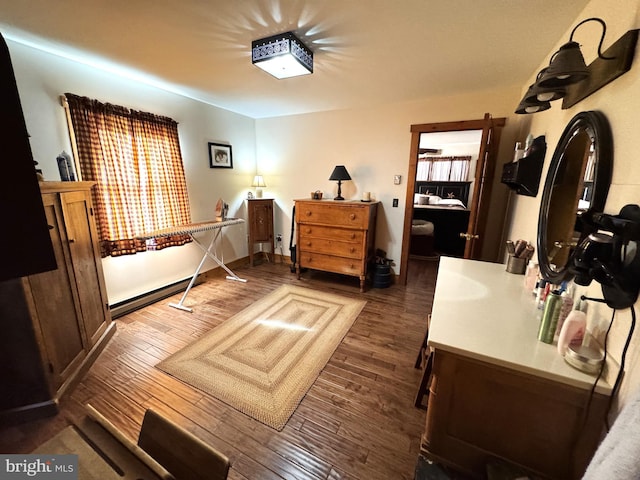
x: 416, y: 130
x: 458, y: 126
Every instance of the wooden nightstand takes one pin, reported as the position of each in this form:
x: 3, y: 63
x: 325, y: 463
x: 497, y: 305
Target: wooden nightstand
x: 260, y: 224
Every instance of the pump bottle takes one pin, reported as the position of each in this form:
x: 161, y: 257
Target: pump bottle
x: 573, y: 329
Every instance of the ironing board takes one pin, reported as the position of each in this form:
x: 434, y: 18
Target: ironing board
x: 209, y: 251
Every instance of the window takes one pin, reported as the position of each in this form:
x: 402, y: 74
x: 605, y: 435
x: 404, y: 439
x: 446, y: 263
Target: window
x: 443, y: 169
x: 134, y: 157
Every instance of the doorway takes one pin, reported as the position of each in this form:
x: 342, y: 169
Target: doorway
x: 479, y: 193
x: 443, y: 188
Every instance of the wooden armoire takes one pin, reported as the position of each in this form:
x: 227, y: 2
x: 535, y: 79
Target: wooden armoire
x: 55, y: 323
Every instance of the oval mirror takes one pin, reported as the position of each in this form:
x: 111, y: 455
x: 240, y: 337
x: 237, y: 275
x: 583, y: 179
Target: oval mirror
x: 576, y: 186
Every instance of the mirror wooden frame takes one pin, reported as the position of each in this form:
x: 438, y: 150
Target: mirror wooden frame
x: 596, y: 126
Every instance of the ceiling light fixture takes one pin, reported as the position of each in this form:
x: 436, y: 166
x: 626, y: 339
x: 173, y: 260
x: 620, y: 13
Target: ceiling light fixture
x: 282, y: 56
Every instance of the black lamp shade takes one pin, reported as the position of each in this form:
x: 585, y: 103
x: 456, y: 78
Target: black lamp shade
x: 537, y: 93
x: 567, y: 67
x: 340, y: 173
x: 532, y: 106
x: 541, y: 94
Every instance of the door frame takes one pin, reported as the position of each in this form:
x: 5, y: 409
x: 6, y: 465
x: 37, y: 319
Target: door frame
x: 483, y: 174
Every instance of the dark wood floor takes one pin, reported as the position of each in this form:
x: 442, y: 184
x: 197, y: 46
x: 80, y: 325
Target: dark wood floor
x: 358, y: 420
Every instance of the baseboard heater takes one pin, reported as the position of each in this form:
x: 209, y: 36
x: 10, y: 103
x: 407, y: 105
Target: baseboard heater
x: 127, y: 306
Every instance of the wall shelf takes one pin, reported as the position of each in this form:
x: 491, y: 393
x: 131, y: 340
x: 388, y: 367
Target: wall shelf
x: 523, y: 175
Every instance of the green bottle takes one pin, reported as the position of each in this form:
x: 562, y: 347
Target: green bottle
x: 550, y: 315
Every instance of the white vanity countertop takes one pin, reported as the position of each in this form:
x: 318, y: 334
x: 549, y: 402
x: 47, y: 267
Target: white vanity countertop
x: 482, y: 312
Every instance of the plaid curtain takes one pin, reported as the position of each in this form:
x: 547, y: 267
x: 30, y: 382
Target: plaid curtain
x: 135, y: 159
x: 443, y: 169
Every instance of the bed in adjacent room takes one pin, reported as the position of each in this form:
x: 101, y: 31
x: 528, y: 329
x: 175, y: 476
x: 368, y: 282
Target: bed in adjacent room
x: 442, y: 209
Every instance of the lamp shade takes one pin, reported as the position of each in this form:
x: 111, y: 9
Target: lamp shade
x: 545, y: 94
x: 258, y: 181
x: 567, y: 67
x: 537, y: 94
x: 533, y: 106
x: 282, y: 56
x: 340, y: 173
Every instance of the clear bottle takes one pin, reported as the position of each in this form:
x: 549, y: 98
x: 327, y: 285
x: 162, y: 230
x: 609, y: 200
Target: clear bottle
x: 542, y: 285
x: 528, y: 143
x: 519, y: 152
x: 531, y: 275
x: 565, y: 310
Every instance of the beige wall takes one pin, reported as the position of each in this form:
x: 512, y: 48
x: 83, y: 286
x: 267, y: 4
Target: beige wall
x: 296, y: 154
x: 620, y: 102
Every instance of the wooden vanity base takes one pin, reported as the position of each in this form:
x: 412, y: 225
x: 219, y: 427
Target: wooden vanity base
x: 479, y: 411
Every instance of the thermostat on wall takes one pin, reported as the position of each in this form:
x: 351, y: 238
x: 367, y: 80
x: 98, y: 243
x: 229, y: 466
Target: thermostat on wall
x: 397, y: 179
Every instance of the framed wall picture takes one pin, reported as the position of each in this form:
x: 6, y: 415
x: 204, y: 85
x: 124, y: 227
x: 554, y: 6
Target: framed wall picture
x: 220, y: 156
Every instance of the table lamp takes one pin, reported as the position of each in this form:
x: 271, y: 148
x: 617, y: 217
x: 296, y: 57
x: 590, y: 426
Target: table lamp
x: 340, y: 173
x: 258, y: 183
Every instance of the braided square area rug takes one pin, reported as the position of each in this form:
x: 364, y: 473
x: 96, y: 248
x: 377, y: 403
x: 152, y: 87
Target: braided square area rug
x: 263, y: 360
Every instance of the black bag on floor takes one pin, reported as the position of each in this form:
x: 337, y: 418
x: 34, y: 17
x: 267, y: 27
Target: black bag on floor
x: 292, y: 247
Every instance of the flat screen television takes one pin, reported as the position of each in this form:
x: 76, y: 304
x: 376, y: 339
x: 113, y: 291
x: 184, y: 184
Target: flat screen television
x: 25, y: 243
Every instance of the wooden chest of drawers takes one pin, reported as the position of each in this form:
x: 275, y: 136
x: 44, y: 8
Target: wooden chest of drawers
x: 335, y: 236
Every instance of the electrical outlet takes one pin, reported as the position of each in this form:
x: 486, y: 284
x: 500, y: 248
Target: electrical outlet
x: 395, y: 202
x: 278, y: 238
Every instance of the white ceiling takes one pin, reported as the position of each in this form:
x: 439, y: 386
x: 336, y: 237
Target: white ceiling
x: 366, y: 51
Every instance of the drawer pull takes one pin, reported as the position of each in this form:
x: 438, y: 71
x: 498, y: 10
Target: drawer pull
x: 352, y: 216
x: 72, y: 240
x: 353, y: 249
x: 308, y: 230
x: 309, y: 213
x: 353, y: 236
x: 308, y: 244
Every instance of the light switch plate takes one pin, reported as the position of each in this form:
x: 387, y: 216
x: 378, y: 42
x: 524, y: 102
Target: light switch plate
x: 397, y: 179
